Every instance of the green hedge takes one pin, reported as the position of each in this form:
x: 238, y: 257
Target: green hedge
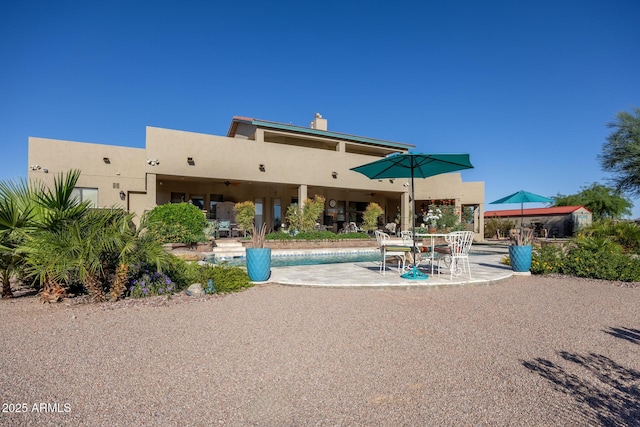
x: 176, y: 223
x: 605, y: 262
x: 315, y: 235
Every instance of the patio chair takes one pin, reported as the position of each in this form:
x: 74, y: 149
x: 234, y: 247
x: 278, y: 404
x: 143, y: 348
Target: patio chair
x: 455, y: 254
x: 390, y: 228
x: 224, y: 227
x: 406, y: 236
x: 389, y: 250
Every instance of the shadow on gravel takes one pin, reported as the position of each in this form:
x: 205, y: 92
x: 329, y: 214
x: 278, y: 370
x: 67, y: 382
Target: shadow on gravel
x: 605, y: 391
x: 631, y: 335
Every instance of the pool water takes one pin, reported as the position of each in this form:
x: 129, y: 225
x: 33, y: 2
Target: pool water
x: 315, y: 259
x: 306, y: 259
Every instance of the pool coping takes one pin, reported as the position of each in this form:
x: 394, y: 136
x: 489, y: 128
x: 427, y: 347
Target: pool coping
x: 485, y: 269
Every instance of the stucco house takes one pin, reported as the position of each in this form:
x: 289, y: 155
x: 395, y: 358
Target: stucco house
x: 273, y: 164
x: 558, y: 221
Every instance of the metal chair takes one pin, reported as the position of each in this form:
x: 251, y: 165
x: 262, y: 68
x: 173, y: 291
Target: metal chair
x: 456, y: 254
x: 224, y: 227
x: 389, y: 249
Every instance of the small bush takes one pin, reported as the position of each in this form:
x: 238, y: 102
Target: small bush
x: 225, y: 278
x: 145, y: 281
x: 494, y: 224
x: 245, y: 214
x: 304, y: 218
x: 315, y: 235
x: 278, y: 235
x: 546, y: 260
x: 624, y: 233
x: 179, y: 271
x: 603, y: 264
x: 370, y: 216
x: 176, y: 223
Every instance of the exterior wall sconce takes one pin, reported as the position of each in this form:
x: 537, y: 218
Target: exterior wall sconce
x: 153, y: 162
x: 261, y: 167
x: 122, y: 195
x: 227, y: 183
x: 334, y: 175
x: 190, y: 161
x: 35, y: 167
x: 106, y: 160
x: 391, y: 181
x: 45, y: 170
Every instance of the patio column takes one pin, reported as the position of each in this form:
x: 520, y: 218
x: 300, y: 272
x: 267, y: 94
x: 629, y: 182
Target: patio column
x: 405, y: 210
x: 302, y: 194
x: 478, y: 218
x: 151, y: 199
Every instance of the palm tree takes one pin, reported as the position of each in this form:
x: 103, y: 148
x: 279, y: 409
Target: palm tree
x: 16, y: 220
x: 61, y: 242
x: 66, y: 255
x: 129, y: 246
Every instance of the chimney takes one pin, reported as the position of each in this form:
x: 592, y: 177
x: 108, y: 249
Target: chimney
x: 318, y: 122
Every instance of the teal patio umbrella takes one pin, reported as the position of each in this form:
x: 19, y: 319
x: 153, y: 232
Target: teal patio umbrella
x: 522, y: 197
x: 414, y: 165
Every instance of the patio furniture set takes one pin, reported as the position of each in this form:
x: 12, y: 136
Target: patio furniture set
x: 454, y: 254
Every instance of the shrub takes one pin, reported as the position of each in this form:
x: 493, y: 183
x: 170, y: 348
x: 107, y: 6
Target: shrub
x: 304, y: 218
x: 315, y: 235
x: 176, y: 223
x: 371, y: 215
x: 546, y: 260
x: 626, y: 234
x: 449, y: 219
x: 245, y: 214
x: 495, y: 223
x: 225, y: 278
x: 582, y: 262
x: 179, y: 271
x: 145, y: 281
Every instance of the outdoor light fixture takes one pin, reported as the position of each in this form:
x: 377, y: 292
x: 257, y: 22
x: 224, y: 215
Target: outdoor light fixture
x: 35, y: 167
x: 391, y: 181
x: 122, y: 195
x: 106, y: 160
x: 261, y: 167
x: 190, y: 161
x: 153, y: 162
x: 227, y: 183
x: 334, y: 175
x: 45, y: 170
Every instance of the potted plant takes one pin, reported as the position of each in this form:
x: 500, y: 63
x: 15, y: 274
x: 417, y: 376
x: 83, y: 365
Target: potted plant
x: 258, y: 257
x: 431, y: 218
x: 520, y: 251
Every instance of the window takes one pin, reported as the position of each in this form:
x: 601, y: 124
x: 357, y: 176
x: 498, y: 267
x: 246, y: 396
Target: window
x: 177, y: 197
x: 84, y: 194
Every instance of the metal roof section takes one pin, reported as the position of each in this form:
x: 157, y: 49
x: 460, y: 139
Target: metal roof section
x: 310, y: 131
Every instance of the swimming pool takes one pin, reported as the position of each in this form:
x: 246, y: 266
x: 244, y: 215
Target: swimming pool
x: 288, y: 260
x: 295, y: 259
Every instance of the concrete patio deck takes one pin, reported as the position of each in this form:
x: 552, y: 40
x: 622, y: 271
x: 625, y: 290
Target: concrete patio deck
x: 485, y: 269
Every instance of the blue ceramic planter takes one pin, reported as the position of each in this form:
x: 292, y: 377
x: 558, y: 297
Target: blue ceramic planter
x: 520, y: 258
x: 258, y: 264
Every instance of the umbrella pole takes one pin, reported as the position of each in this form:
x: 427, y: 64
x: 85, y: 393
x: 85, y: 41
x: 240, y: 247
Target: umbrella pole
x: 415, y: 274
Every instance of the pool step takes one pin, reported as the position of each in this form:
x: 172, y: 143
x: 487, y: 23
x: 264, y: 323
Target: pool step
x: 228, y: 249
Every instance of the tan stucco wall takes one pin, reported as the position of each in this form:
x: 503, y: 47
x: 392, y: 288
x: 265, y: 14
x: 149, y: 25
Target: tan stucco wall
x: 125, y: 169
x: 219, y: 158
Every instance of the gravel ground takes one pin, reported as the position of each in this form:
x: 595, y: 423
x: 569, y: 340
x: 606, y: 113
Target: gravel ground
x: 543, y: 351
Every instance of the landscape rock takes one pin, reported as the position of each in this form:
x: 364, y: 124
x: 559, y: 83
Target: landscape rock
x: 195, y: 290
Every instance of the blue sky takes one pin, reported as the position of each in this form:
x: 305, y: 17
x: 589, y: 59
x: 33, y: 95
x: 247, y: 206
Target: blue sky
x: 526, y: 88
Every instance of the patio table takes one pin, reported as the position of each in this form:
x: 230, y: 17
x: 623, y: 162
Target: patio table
x: 432, y: 236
